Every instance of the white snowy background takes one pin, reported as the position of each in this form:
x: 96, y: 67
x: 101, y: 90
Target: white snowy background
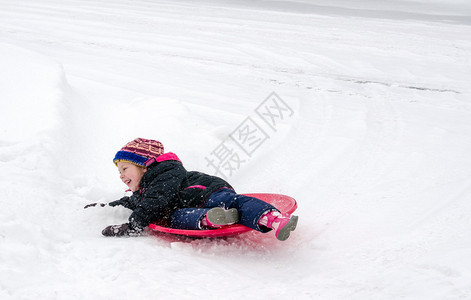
x: 376, y: 152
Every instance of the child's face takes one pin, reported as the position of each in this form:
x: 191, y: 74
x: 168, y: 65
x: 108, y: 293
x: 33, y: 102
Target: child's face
x: 131, y: 174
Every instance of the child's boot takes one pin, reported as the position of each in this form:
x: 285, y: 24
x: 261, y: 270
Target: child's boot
x: 283, y: 224
x: 217, y: 217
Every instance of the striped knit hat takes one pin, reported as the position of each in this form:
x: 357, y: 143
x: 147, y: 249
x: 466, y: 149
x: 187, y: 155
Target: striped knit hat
x: 140, y: 152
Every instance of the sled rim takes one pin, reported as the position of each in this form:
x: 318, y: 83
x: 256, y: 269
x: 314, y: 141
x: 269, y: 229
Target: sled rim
x: 220, y: 232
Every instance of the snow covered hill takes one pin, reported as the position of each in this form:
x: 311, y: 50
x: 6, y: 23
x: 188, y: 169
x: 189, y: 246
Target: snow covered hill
x: 372, y: 137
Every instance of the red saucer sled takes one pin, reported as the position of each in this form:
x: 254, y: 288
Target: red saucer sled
x: 285, y: 204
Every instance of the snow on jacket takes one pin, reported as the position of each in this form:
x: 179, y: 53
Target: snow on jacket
x: 168, y: 186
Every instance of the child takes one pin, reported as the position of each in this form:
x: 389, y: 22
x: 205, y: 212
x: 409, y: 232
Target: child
x: 163, y: 190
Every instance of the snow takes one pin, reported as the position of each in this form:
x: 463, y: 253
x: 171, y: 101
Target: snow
x: 376, y: 151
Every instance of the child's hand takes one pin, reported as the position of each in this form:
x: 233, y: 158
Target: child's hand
x: 122, y: 230
x: 94, y: 204
x: 123, y: 201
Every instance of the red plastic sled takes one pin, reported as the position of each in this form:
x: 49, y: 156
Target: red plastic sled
x: 285, y: 204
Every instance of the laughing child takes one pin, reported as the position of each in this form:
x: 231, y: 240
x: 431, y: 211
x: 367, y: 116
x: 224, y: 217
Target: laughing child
x: 164, y: 191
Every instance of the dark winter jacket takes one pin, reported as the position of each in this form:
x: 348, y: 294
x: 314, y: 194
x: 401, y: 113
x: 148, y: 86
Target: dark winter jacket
x: 167, y: 186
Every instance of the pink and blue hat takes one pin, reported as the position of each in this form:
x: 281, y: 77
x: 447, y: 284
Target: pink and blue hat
x: 140, y: 152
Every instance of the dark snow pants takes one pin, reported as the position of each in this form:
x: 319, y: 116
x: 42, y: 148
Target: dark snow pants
x: 250, y: 210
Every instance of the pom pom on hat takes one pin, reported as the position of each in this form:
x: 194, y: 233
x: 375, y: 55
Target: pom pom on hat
x: 140, y: 152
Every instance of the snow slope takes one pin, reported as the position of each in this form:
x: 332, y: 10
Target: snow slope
x: 376, y: 150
